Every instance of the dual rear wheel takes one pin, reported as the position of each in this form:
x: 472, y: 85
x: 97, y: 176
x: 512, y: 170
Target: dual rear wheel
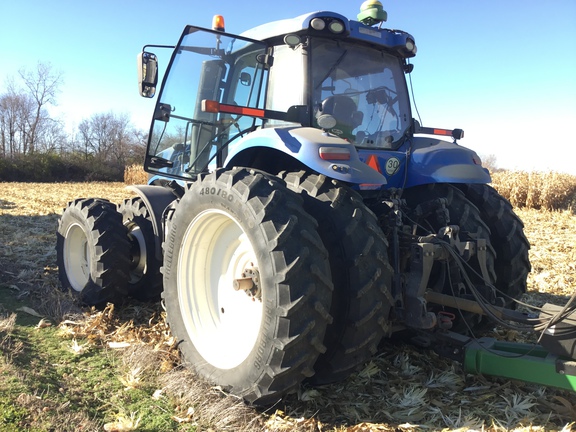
x: 251, y: 292
x: 266, y: 281
x: 105, y: 252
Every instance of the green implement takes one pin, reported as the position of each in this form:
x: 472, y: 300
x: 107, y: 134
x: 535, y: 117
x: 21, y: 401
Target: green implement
x: 526, y: 362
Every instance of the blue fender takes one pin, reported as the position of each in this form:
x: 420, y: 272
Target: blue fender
x: 437, y: 161
x: 303, y: 144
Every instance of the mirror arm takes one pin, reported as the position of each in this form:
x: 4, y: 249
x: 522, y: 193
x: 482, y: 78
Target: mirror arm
x: 157, y: 46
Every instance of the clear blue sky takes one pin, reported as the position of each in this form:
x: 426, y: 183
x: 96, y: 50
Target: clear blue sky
x: 504, y: 71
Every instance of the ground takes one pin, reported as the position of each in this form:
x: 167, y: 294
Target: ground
x: 402, y: 388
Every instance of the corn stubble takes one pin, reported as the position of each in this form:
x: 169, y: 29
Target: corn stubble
x: 401, y: 388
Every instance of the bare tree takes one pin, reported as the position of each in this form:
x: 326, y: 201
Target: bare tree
x: 43, y: 86
x: 26, y: 126
x: 51, y: 137
x: 85, y: 137
x: 109, y: 137
x: 24, y: 119
x: 137, y: 151
x: 489, y: 162
x: 15, y: 109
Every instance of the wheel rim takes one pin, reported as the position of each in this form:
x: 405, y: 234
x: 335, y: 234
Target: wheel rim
x: 223, y: 324
x: 77, y: 257
x: 138, y: 253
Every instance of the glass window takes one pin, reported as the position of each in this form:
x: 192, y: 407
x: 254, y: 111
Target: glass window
x: 364, y: 89
x: 205, y: 66
x: 286, y: 84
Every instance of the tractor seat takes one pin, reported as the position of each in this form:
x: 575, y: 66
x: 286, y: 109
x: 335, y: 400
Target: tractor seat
x: 344, y: 110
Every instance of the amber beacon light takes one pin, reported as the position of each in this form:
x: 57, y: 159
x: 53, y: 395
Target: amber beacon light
x: 218, y: 23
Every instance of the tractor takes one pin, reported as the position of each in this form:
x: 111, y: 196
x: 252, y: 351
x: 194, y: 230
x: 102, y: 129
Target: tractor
x: 296, y: 214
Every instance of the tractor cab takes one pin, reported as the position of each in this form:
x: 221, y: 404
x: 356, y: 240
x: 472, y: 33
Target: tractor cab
x: 319, y: 71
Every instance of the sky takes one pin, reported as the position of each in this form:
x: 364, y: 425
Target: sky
x: 502, y: 70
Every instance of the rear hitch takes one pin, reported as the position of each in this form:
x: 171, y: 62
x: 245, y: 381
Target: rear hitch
x: 444, y: 246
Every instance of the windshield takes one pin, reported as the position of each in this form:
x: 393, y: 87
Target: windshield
x: 364, y: 90
x: 185, y: 139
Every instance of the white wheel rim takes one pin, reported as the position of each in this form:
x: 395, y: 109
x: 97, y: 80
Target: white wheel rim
x: 76, y: 257
x: 223, y: 324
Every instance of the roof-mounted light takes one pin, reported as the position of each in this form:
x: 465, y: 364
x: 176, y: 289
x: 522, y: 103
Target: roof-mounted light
x: 336, y: 26
x: 218, y: 23
x: 372, y: 12
x: 318, y: 24
x: 411, y: 46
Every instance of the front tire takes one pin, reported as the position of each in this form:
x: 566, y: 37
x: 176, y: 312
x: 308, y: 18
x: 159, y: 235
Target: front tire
x: 246, y: 229
x: 92, y: 251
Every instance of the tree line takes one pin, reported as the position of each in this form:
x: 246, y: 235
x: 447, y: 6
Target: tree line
x: 105, y: 142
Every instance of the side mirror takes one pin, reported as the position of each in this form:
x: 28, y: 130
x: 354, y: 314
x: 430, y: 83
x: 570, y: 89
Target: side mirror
x: 245, y: 79
x: 147, y: 74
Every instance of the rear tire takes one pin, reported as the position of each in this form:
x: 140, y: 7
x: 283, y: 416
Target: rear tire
x: 145, y: 283
x: 261, y: 341
x: 360, y: 269
x: 512, y: 263
x: 92, y: 251
x: 467, y: 216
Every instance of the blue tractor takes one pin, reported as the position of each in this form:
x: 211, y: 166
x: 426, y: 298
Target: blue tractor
x: 296, y: 215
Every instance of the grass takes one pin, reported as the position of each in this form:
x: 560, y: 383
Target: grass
x: 52, y: 379
x: 64, y: 367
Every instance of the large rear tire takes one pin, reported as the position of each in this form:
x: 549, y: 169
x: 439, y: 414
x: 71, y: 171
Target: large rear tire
x: 512, y: 263
x: 360, y: 270
x: 145, y: 283
x: 92, y: 251
x: 244, y: 229
x: 467, y: 216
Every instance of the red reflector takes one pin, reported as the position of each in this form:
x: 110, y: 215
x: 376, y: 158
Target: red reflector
x: 334, y: 153
x: 233, y: 109
x: 215, y: 107
x: 373, y: 163
x: 210, y: 106
x: 442, y: 132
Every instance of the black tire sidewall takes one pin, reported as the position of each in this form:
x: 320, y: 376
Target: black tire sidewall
x: 108, y: 265
x: 211, y: 193
x: 360, y: 269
